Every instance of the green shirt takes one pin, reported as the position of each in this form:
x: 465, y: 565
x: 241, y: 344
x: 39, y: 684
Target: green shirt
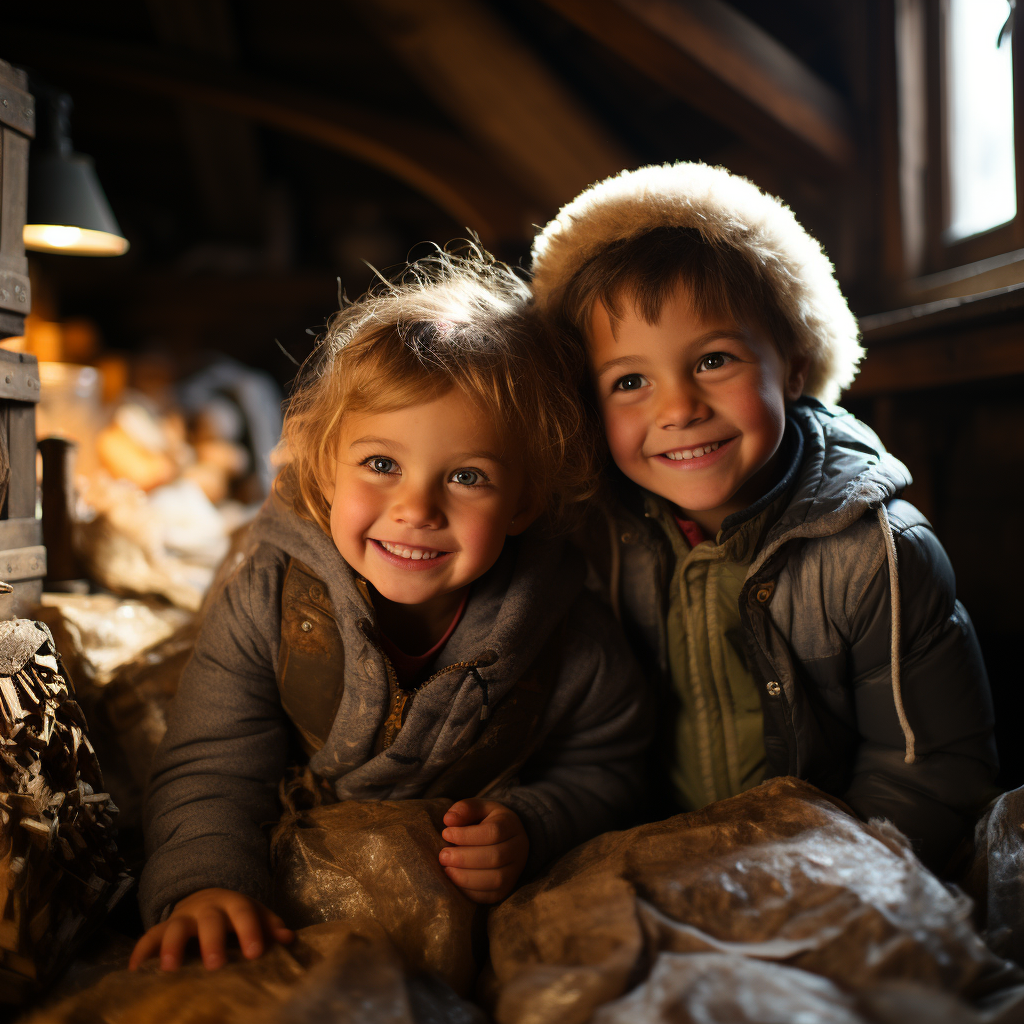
x: 717, y: 745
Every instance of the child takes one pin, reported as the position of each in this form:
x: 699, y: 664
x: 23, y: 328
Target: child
x: 397, y: 616
x: 759, y: 546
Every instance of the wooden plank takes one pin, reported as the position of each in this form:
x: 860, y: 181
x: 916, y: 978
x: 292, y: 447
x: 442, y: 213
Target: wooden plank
x: 15, y: 291
x: 21, y: 439
x: 19, y: 381
x: 23, y: 564
x: 472, y: 188
x: 13, y: 264
x: 12, y: 325
x: 21, y: 603
x: 727, y: 67
x: 20, y: 533
x: 935, y: 360
x: 17, y: 107
x: 500, y: 92
x: 961, y: 311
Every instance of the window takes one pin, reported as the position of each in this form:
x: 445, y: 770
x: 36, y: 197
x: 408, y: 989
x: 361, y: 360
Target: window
x: 957, y: 140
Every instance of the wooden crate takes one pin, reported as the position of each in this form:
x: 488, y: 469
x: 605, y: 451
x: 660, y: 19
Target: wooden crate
x: 22, y: 555
x: 17, y: 126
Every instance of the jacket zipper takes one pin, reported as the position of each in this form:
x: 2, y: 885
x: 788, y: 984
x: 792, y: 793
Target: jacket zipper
x: 399, y: 697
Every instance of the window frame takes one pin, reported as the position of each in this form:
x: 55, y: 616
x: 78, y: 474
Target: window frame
x: 932, y: 200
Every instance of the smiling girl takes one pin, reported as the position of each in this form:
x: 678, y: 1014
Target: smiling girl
x: 403, y: 613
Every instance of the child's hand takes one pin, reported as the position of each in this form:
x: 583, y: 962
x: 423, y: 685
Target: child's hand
x: 490, y: 849
x: 209, y: 915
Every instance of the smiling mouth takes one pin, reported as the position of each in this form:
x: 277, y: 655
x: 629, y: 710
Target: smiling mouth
x: 686, y: 454
x: 414, y: 554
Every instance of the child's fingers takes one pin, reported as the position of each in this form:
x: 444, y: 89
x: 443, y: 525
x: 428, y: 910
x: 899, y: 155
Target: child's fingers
x: 248, y: 926
x: 147, y: 946
x: 466, y: 812
x: 275, y: 925
x: 211, y: 928
x: 172, y: 949
x: 497, y: 856
x: 488, y: 833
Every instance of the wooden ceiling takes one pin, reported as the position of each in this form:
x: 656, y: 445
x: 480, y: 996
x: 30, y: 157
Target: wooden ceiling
x: 279, y: 145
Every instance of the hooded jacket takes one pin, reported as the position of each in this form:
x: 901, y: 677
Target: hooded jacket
x: 892, y: 716
x: 215, y: 776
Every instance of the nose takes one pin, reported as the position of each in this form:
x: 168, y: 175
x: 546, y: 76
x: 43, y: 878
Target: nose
x: 418, y: 506
x: 680, y: 404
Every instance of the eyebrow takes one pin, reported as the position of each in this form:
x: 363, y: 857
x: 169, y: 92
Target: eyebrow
x: 735, y: 334
x: 388, y: 442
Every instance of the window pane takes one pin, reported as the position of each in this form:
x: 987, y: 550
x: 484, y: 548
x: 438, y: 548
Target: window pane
x: 980, y: 92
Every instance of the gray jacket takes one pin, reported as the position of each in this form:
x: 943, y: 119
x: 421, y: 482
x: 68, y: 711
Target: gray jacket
x: 897, y: 721
x: 215, y: 776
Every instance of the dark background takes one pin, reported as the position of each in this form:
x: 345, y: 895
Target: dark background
x: 255, y: 153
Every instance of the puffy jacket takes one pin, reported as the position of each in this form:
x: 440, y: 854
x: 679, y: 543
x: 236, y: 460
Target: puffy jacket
x: 895, y: 719
x: 216, y: 773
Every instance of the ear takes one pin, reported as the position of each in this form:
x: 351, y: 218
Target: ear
x: 796, y: 374
x: 527, y: 514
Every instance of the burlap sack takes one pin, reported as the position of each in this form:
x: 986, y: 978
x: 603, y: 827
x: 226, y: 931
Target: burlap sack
x: 377, y: 861
x: 781, y: 875
x: 382, y: 934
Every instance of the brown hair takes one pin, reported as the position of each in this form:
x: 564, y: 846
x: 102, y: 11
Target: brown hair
x: 446, y: 323
x: 645, y: 269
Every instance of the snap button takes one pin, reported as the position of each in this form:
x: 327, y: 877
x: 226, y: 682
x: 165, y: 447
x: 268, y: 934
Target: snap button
x: 306, y: 626
x: 316, y: 592
x: 627, y: 538
x: 765, y: 591
x: 774, y: 689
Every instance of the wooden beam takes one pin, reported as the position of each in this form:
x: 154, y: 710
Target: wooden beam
x: 466, y: 184
x: 222, y: 147
x: 950, y: 341
x: 500, y: 93
x: 929, y: 362
x: 724, y: 65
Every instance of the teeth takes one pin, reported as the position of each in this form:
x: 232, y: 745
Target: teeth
x: 686, y: 454
x: 415, y: 555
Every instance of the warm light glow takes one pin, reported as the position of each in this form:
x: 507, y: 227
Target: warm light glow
x: 76, y: 241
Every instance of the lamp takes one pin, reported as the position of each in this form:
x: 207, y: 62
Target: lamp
x: 67, y: 210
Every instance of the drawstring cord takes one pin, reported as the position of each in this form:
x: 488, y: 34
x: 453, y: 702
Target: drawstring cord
x: 894, y: 655
x: 485, y: 710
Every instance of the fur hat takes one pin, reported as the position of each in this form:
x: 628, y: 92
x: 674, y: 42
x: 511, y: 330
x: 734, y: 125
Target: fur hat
x: 725, y: 208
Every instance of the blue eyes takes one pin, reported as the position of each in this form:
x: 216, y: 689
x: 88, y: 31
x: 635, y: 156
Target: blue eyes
x: 383, y: 466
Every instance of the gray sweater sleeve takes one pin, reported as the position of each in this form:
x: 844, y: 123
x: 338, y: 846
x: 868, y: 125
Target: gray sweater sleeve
x: 588, y: 774
x: 215, y: 774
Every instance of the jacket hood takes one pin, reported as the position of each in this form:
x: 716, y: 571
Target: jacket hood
x: 845, y: 472
x: 508, y: 619
x: 726, y: 209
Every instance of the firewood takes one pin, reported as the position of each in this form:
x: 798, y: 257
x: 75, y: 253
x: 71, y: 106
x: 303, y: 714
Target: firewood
x: 60, y: 872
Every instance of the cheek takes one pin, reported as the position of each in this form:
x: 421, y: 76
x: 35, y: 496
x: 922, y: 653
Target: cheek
x: 481, y: 532
x: 625, y: 429
x: 354, y: 508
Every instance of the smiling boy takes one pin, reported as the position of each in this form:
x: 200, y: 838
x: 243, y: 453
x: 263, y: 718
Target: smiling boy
x: 758, y: 541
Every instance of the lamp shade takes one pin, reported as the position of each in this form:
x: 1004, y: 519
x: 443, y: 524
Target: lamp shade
x: 67, y: 210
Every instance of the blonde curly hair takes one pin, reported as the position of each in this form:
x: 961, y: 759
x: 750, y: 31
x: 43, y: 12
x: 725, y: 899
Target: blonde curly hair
x: 448, y: 322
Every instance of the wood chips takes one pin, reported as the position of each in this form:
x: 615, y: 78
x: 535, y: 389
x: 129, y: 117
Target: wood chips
x: 60, y: 873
